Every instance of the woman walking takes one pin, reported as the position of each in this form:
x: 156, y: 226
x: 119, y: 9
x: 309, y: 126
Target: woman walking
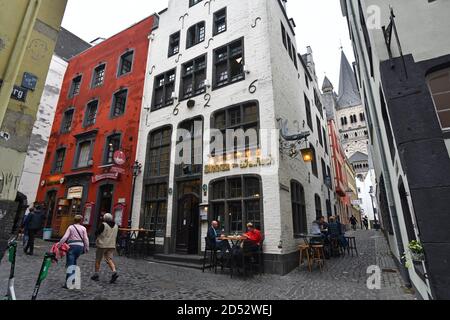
x: 77, y: 239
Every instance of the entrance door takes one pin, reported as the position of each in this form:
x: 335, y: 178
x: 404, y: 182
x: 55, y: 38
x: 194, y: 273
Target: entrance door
x: 50, y: 204
x: 105, y: 201
x: 188, y: 224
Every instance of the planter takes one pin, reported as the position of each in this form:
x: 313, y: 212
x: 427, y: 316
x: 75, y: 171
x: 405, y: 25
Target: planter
x: 417, y: 257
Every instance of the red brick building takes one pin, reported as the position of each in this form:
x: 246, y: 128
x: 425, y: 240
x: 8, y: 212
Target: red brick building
x: 92, y: 148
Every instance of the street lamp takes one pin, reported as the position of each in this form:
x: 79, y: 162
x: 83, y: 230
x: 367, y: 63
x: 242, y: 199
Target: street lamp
x: 137, y: 169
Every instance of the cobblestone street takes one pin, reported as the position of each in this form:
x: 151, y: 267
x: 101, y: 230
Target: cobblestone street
x: 344, y: 279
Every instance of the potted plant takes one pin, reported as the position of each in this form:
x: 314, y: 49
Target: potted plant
x: 417, y: 252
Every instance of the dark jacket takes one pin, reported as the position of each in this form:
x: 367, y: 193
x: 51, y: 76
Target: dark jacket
x: 35, y: 221
x: 212, y: 236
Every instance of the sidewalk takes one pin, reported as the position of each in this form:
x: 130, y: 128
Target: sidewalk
x: 343, y: 279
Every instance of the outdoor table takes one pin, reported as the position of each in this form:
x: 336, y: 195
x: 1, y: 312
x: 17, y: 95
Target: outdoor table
x: 235, y: 240
x: 128, y: 242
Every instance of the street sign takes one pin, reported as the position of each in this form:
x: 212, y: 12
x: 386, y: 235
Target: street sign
x: 19, y: 93
x: 29, y: 81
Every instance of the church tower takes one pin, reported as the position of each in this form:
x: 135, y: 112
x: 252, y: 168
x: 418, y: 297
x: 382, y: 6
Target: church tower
x: 351, y: 119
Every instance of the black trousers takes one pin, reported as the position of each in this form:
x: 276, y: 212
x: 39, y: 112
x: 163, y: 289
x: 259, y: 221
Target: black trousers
x: 29, y: 248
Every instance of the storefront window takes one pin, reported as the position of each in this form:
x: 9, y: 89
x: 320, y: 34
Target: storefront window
x: 236, y: 201
x: 155, y: 212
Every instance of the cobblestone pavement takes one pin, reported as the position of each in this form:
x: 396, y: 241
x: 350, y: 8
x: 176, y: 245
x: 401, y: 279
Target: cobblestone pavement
x: 343, y: 279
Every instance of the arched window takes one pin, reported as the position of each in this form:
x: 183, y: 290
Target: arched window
x: 156, y: 180
x: 314, y: 167
x: 298, y: 208
x: 439, y: 84
x: 318, y: 203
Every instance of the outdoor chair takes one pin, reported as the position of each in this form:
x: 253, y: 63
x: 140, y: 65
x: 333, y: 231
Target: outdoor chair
x: 305, y: 252
x: 210, y: 255
x: 351, y: 247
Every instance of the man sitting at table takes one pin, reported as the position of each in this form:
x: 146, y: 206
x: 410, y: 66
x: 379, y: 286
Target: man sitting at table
x: 253, y: 237
x: 214, y: 239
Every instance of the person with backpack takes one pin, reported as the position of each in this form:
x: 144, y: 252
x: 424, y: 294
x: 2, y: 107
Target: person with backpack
x: 77, y: 238
x: 34, y: 223
x: 106, y: 246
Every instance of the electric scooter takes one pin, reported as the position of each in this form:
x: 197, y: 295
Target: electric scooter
x: 12, y: 251
x: 49, y: 258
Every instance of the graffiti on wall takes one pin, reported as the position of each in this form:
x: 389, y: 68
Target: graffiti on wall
x: 8, y: 181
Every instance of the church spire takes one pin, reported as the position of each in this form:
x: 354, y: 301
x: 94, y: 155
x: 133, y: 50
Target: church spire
x: 348, y: 90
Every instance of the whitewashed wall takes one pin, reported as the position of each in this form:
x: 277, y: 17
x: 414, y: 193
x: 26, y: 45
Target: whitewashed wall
x: 37, y: 149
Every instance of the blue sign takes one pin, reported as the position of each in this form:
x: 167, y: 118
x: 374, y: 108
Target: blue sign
x: 29, y: 81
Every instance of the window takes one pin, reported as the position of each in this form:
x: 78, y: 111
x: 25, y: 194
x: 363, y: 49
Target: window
x: 174, y: 44
x: 353, y: 119
x: 344, y: 121
x: 240, y: 117
x: 318, y: 103
x: 195, y: 34
x: 193, y: 78
x: 91, y: 113
x: 119, y: 102
x: 164, y: 90
x: 366, y: 36
x: 330, y: 180
x: 112, y: 145
x: 75, y: 87
x: 439, y: 83
x: 67, y: 121
x: 307, y: 80
x: 289, y: 44
x: 99, y: 76
x: 314, y: 162
x: 126, y: 63
x: 155, y: 210
x: 158, y: 153
x: 220, y: 21
x: 362, y: 117
x: 319, y: 131
x: 298, y: 208
x: 324, y: 171
x: 59, y: 160
x: 295, y: 57
x: 283, y: 35
x: 240, y: 197
x: 325, y: 140
x: 387, y: 125
x: 194, y: 2
x: 229, y: 64
x: 189, y: 148
x: 308, y: 113
x: 84, y: 154
x: 318, y: 203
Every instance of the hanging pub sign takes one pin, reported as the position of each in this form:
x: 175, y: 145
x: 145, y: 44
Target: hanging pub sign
x: 118, y: 211
x: 119, y: 158
x: 18, y: 93
x: 105, y: 176
x: 88, y: 209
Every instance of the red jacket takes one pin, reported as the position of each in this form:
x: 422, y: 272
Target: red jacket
x: 254, y: 236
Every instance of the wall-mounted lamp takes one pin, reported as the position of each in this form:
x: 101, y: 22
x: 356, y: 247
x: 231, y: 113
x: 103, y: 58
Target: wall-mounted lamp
x: 307, y: 154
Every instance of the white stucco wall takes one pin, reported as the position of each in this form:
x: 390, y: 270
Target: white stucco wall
x: 34, y: 161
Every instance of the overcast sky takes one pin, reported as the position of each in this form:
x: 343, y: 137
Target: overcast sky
x: 320, y: 24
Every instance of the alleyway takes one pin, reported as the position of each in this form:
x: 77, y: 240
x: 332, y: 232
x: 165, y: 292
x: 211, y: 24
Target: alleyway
x: 345, y: 278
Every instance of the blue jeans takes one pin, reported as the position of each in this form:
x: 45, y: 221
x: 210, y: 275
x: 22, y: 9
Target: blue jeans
x: 72, y: 256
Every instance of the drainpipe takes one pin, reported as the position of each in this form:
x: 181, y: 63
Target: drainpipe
x: 385, y: 169
x: 15, y: 60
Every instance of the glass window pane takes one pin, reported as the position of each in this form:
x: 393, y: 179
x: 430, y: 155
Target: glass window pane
x: 444, y: 116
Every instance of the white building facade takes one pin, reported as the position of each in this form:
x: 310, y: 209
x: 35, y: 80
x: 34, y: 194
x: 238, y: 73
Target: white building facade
x: 220, y: 67
x: 402, y: 51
